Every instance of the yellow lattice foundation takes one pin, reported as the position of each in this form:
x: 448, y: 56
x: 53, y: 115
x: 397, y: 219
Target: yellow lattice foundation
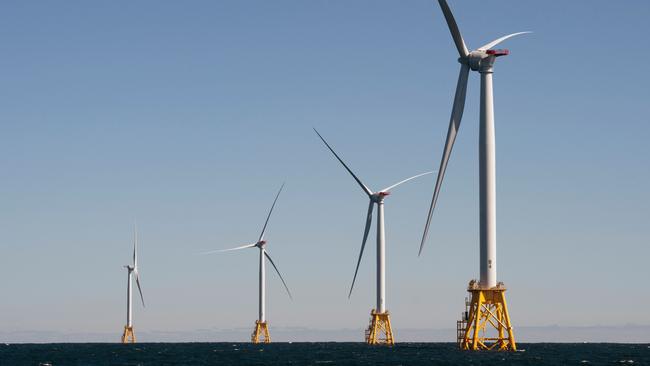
x: 486, y: 324
x: 379, y: 331
x: 261, y: 331
x: 128, y: 336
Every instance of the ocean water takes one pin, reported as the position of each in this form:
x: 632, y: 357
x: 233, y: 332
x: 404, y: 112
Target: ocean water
x: 316, y: 354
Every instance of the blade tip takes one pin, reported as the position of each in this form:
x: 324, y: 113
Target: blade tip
x: 424, y: 239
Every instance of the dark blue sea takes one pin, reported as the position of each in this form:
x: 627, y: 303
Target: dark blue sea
x: 323, y: 354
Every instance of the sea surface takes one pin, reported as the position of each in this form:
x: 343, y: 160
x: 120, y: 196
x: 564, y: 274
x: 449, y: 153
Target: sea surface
x: 323, y: 354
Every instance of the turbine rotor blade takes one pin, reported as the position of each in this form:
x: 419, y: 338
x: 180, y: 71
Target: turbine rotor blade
x: 454, y: 124
x: 363, y: 244
x: 499, y: 40
x: 135, y: 246
x: 231, y: 249
x: 363, y: 186
x: 453, y: 28
x: 278, y: 271
x: 270, y: 212
x: 405, y: 180
x: 137, y: 282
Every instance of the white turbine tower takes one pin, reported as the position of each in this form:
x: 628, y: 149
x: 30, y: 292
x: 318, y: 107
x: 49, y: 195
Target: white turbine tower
x: 132, y: 270
x: 380, y: 318
x: 261, y: 325
x: 488, y: 305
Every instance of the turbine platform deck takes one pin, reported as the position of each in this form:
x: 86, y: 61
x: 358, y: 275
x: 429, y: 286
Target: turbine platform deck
x: 260, y: 333
x: 486, y: 322
x: 128, y: 336
x: 379, y: 330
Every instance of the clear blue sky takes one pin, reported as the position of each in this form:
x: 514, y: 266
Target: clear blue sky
x: 188, y: 116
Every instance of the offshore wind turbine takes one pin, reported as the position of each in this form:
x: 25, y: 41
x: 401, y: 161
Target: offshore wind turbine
x: 261, y: 326
x: 379, y: 316
x: 488, y: 304
x: 132, y: 270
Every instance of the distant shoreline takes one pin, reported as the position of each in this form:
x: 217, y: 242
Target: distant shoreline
x: 622, y: 334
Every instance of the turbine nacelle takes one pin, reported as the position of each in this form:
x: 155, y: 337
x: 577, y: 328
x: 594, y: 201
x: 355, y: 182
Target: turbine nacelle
x: 379, y: 196
x: 499, y: 52
x: 482, y: 60
x: 260, y: 244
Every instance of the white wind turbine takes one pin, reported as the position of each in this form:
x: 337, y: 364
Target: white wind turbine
x: 132, y: 270
x: 482, y: 60
x: 261, y: 327
x: 380, y: 320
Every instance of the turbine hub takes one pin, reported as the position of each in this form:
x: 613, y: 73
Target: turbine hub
x: 261, y: 243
